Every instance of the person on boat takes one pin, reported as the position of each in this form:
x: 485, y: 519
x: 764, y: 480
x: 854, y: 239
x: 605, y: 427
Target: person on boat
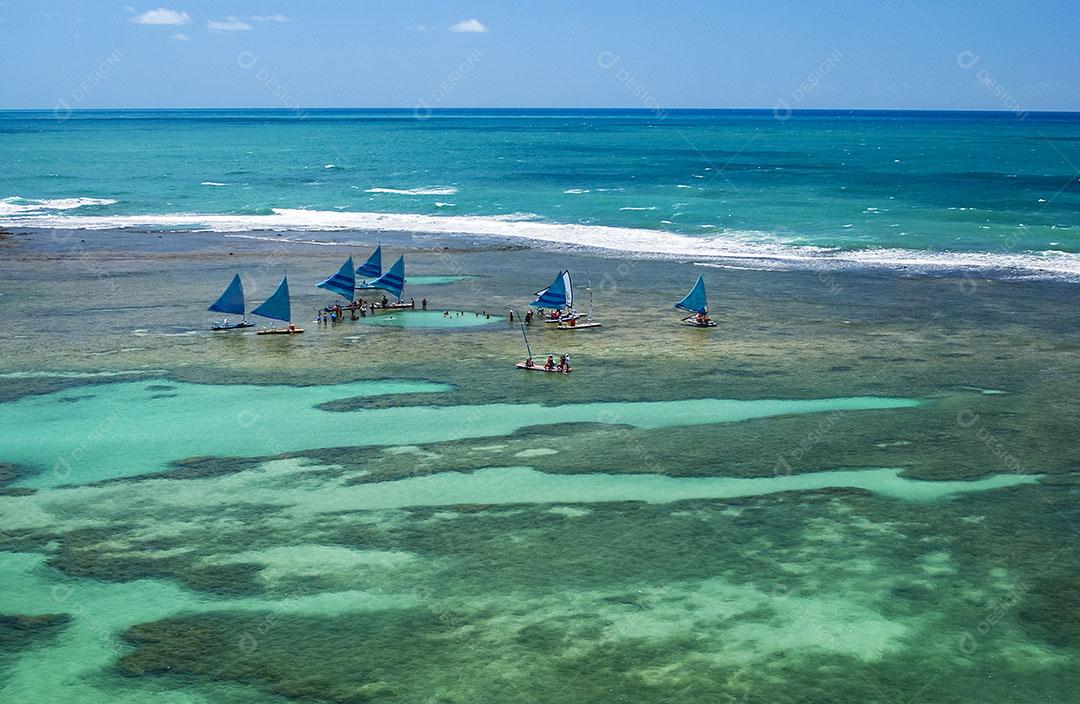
x: 573, y: 322
x: 529, y: 363
x: 385, y: 301
x: 562, y: 363
x: 701, y: 319
x: 291, y: 328
x: 423, y: 304
x: 550, y: 363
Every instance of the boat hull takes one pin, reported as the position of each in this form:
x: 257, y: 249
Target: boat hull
x: 578, y: 326
x: 564, y: 319
x: 541, y: 368
x: 280, y: 331
x: 395, y: 306
x: 232, y: 326
x: 694, y: 324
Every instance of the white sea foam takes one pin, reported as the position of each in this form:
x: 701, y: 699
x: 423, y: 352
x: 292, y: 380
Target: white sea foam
x: 651, y: 207
x: 720, y: 244
x: 432, y: 191
x: 576, y: 191
x: 16, y: 205
x: 212, y: 183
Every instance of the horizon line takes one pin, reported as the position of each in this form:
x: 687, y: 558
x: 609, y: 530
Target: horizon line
x: 655, y: 110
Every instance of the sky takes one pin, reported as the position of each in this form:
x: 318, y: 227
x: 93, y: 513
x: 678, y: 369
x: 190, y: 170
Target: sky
x: 428, y: 54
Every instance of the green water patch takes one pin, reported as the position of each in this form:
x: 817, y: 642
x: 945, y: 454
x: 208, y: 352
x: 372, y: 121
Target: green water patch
x: 74, y: 665
x: 125, y: 429
x: 523, y: 485
x: 443, y: 320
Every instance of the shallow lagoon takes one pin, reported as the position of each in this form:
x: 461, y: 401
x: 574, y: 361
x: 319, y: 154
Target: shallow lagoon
x: 817, y: 500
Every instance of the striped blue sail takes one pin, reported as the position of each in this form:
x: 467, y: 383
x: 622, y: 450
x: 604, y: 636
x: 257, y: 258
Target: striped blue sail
x: 695, y: 300
x: 232, y: 301
x: 372, y: 268
x: 277, y: 306
x: 343, y: 282
x: 558, y: 295
x: 393, y: 281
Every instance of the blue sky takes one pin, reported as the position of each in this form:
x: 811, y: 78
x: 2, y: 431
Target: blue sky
x: 990, y: 54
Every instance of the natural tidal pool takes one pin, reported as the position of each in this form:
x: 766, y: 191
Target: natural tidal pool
x: 443, y: 320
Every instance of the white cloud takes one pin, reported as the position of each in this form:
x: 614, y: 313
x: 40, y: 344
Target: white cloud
x: 471, y: 25
x: 180, y: 37
x: 161, y: 15
x: 270, y: 18
x: 232, y: 23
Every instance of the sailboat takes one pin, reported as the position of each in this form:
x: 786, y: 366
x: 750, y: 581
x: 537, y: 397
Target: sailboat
x: 557, y: 296
x: 231, y: 302
x: 372, y: 268
x: 343, y: 283
x: 277, y: 308
x: 575, y: 322
x: 393, y: 281
x: 531, y: 366
x: 695, y: 303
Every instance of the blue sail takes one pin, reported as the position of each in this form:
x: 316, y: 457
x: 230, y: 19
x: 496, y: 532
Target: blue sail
x: 554, y: 296
x: 343, y: 282
x: 372, y: 268
x: 695, y: 300
x: 392, y: 281
x: 277, y: 306
x: 232, y: 301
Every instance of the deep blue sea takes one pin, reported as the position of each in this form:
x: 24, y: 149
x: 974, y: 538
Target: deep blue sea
x: 892, y: 188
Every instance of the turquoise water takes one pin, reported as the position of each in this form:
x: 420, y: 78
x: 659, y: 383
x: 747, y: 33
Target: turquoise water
x: 126, y: 429
x: 988, y: 189
x: 431, y: 319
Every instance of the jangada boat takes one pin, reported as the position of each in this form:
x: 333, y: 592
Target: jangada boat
x: 530, y: 366
x: 558, y: 296
x: 393, y: 282
x: 576, y: 323
x: 231, y: 302
x: 696, y: 303
x: 277, y: 308
x: 343, y: 283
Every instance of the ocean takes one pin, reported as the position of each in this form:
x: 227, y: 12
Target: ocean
x: 834, y: 188
x: 857, y: 487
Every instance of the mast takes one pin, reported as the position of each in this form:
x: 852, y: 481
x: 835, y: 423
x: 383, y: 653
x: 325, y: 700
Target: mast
x: 521, y: 322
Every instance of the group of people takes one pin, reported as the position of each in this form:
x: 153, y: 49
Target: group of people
x: 461, y: 313
x: 550, y: 365
x: 336, y: 312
